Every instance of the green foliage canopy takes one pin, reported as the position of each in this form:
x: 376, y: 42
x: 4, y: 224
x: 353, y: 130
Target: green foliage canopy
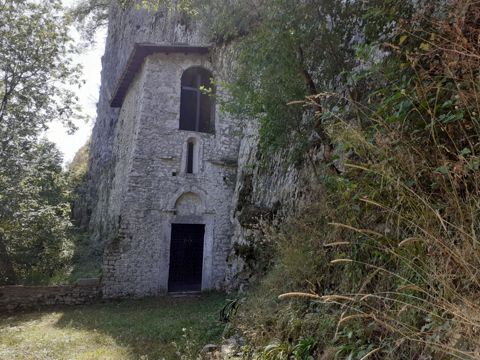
x: 36, y: 72
x: 284, y: 52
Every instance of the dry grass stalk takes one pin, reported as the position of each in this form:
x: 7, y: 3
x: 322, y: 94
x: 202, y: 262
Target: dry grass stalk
x: 363, y: 231
x: 335, y: 298
x: 356, y: 316
x: 341, y: 261
x: 443, y: 219
x: 337, y: 243
x: 299, y: 295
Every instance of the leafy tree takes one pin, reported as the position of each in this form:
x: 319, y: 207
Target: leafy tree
x: 35, y: 215
x: 287, y: 50
x: 36, y: 72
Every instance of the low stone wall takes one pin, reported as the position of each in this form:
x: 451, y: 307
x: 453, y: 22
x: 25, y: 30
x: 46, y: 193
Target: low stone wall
x: 14, y: 298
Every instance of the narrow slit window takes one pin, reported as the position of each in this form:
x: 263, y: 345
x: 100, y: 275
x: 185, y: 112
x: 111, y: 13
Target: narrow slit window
x: 190, y: 154
x: 196, y: 101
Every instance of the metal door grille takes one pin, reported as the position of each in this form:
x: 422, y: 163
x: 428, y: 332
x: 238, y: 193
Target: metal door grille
x: 186, y: 257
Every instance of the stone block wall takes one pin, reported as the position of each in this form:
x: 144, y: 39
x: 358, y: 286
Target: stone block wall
x: 13, y: 298
x: 151, y: 190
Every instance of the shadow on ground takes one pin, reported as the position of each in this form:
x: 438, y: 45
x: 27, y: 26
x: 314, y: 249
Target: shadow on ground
x: 150, y: 327
x: 142, y: 329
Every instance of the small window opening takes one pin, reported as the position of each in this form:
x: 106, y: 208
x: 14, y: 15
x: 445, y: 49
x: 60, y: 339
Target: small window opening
x: 196, y: 104
x: 190, y: 154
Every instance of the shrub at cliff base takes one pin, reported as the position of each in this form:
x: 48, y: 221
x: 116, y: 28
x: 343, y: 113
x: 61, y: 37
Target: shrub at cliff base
x: 385, y: 265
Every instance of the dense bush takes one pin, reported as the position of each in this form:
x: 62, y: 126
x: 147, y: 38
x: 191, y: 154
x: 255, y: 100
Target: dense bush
x: 387, y: 266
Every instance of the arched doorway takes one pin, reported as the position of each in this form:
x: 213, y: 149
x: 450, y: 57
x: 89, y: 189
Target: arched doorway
x: 187, y: 246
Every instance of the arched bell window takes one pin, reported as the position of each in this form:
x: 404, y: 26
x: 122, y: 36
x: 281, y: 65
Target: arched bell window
x: 196, y: 103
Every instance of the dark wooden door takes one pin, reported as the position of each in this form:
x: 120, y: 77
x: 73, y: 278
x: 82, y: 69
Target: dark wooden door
x: 186, y: 257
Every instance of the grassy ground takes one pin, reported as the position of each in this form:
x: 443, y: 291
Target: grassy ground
x: 144, y: 329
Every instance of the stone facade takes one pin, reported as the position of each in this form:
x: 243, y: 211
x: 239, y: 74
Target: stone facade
x: 125, y: 29
x: 151, y: 189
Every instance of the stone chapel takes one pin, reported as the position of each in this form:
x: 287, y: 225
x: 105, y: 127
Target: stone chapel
x: 174, y: 176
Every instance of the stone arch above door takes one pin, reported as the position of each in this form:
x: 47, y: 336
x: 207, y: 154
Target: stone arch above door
x: 189, y: 203
x: 201, y: 197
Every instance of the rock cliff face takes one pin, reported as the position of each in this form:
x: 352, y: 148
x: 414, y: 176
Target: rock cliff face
x: 259, y: 192
x: 264, y: 192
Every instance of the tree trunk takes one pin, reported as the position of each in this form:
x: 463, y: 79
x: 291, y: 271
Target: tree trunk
x: 7, y: 273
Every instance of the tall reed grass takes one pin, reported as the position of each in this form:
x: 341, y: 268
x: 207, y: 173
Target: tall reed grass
x: 386, y: 263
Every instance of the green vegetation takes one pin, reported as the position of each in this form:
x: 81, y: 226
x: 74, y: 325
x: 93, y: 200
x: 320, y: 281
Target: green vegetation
x: 279, y: 47
x: 286, y: 51
x: 86, y: 259
x: 78, y: 167
x: 145, y: 329
x: 36, y: 68
x: 384, y: 264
